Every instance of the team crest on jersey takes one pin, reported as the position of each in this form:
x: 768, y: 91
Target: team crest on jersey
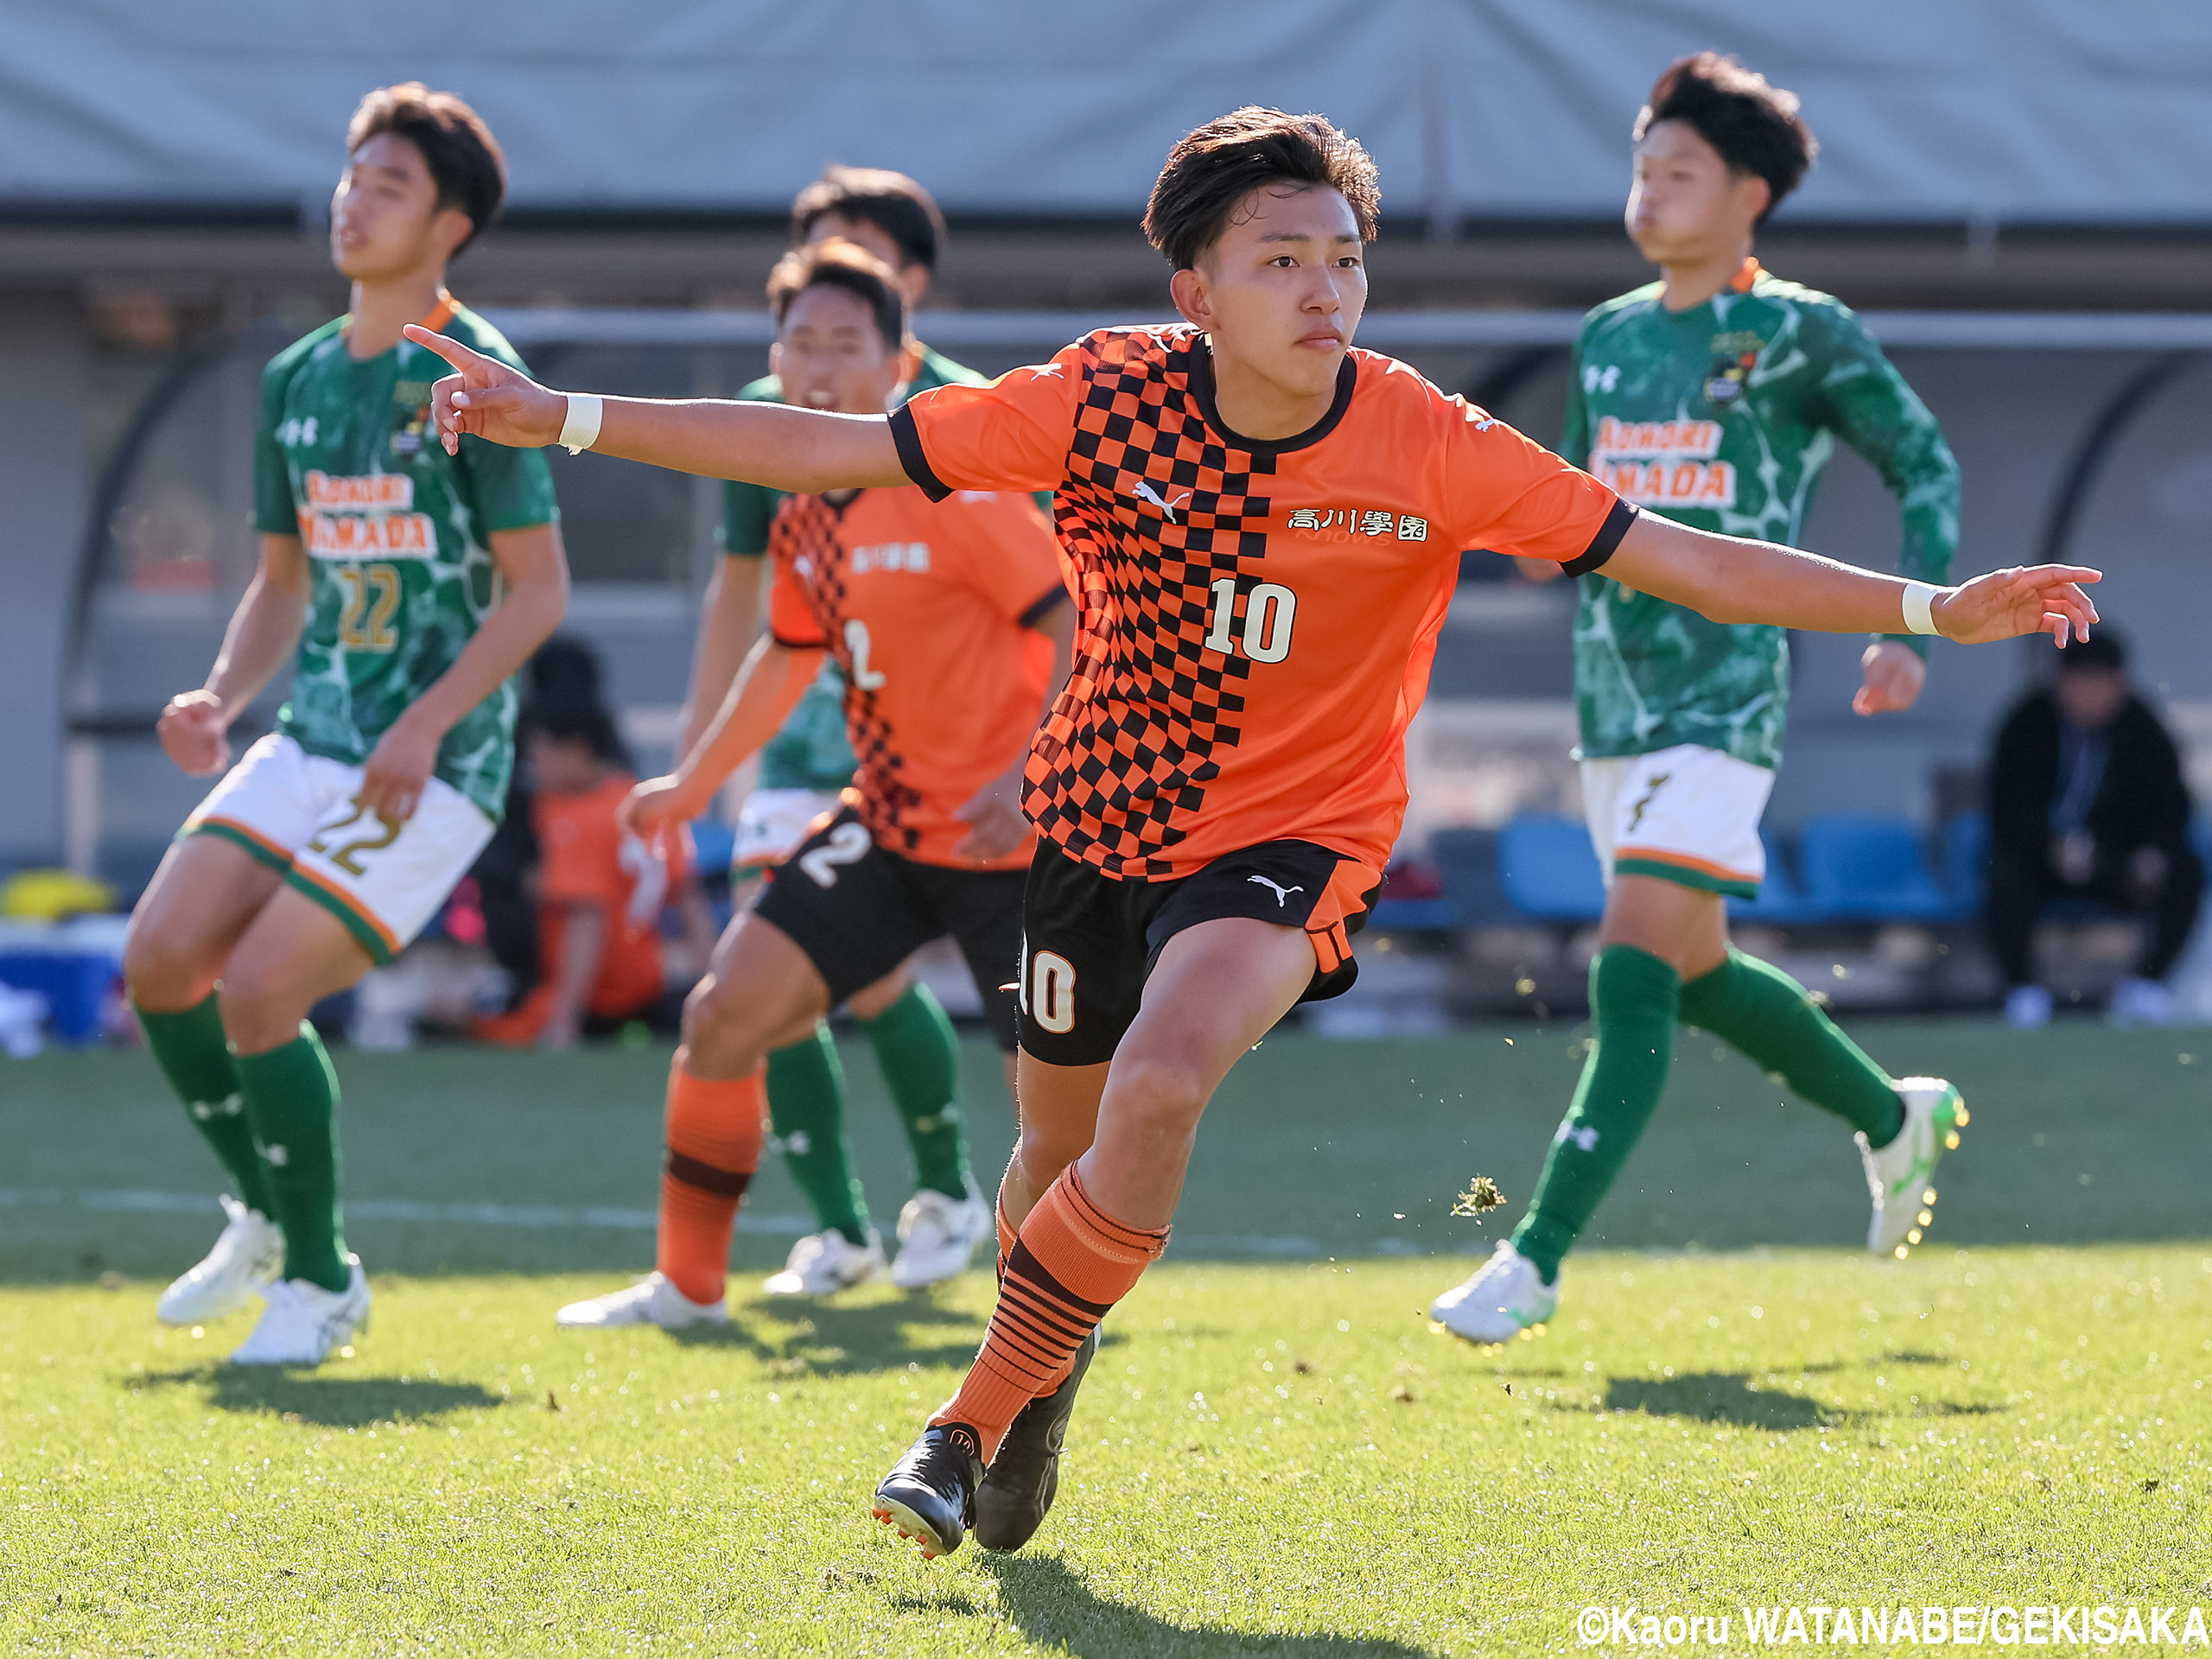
x: 1664, y: 463
x: 1725, y: 384
x: 1348, y: 523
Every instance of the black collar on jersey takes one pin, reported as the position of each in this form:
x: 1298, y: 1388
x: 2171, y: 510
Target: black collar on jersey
x: 1202, y: 389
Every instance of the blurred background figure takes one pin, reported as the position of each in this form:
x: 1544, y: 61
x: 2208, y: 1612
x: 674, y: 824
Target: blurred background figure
x: 598, y: 893
x: 2087, y: 800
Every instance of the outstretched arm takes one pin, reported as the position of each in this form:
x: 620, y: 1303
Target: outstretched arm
x: 1729, y: 580
x: 806, y: 451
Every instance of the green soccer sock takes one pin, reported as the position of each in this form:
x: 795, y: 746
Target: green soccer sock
x: 189, y: 1047
x: 291, y: 1101
x: 1772, y: 1020
x: 806, y: 1115
x: 920, y: 1059
x: 1633, y: 998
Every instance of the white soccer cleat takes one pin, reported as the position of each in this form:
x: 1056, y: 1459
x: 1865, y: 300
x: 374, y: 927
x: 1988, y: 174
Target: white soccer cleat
x: 2140, y: 1002
x: 938, y: 1236
x: 823, y: 1264
x: 654, y: 1299
x: 249, y: 1254
x: 1505, y: 1297
x: 303, y: 1322
x: 2027, y: 1008
x: 1897, y: 1175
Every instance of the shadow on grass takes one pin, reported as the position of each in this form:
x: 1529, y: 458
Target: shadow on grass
x: 829, y: 1339
x: 1051, y: 1606
x: 328, y: 1402
x: 835, y: 1339
x: 1719, y: 1397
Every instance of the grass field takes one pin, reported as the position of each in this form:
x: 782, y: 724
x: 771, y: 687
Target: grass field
x: 1274, y: 1455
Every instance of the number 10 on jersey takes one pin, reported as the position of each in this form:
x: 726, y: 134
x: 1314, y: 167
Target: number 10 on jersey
x: 1270, y: 611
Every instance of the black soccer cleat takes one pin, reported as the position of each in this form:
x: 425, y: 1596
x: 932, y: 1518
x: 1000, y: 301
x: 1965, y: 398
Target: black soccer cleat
x: 930, y: 1494
x: 1017, y: 1494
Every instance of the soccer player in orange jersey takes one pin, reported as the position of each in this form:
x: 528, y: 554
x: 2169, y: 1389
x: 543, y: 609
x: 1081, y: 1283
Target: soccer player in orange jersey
x: 951, y: 626
x: 1264, y: 528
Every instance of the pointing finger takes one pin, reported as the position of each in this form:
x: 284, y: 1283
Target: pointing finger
x: 452, y: 350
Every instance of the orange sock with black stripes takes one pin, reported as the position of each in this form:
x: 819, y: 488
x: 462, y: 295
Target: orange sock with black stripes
x: 1072, y: 1262
x: 714, y: 1133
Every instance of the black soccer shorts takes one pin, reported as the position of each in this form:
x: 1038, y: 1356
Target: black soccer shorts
x: 858, y: 911
x: 1089, y: 941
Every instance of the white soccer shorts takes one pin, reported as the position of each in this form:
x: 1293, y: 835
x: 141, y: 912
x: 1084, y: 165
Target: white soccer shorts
x: 772, y: 822
x: 297, y: 813
x: 1689, y: 815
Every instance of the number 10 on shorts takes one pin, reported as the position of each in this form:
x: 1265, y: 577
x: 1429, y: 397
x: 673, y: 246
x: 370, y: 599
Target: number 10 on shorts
x: 1048, y: 991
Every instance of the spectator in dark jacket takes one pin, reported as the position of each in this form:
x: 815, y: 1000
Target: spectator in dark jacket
x: 2086, y: 798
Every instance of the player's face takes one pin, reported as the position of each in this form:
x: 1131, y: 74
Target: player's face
x: 831, y: 355
x: 2091, y: 697
x: 1282, y: 289
x: 562, y: 766
x: 384, y: 218
x: 914, y: 280
x: 1684, y: 203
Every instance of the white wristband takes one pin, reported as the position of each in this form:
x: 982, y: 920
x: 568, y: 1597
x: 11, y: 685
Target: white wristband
x: 1919, y: 598
x: 580, y: 430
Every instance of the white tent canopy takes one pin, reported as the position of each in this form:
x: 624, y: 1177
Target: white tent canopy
x: 1983, y: 110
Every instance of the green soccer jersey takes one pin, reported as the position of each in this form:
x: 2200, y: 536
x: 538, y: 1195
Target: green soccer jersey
x: 397, y: 537
x: 1722, y: 416
x: 811, y: 751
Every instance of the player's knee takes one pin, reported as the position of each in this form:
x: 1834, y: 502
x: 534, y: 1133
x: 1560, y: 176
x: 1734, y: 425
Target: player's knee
x: 718, y: 1030
x: 262, y: 1006
x: 161, y: 973
x: 1164, y: 1093
x: 1044, y: 1151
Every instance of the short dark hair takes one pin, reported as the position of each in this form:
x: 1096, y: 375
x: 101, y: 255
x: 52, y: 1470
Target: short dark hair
x: 577, y: 720
x: 465, y: 160
x: 840, y: 263
x: 1755, y: 127
x: 1215, y: 167
x: 2104, y: 649
x: 892, y: 202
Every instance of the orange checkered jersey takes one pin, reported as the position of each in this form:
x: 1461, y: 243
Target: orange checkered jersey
x: 1257, y: 619
x: 586, y: 858
x: 929, y: 610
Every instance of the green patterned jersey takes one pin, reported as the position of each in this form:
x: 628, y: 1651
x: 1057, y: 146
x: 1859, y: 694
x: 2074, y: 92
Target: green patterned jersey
x: 1722, y: 416
x: 811, y: 751
x: 397, y: 535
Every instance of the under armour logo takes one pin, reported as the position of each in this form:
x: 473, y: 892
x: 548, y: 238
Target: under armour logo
x: 1143, y: 491
x: 1282, y: 892
x: 229, y: 1106
x: 1587, y: 1139
x: 276, y: 1155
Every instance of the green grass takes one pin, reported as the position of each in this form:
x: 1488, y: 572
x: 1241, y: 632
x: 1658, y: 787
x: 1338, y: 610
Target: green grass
x: 1274, y: 1455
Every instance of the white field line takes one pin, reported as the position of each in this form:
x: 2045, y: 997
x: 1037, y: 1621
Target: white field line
x: 1291, y: 1246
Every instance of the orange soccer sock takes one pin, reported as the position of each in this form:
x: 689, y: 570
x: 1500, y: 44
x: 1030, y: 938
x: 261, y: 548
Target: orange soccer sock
x: 1072, y: 1262
x: 714, y: 1133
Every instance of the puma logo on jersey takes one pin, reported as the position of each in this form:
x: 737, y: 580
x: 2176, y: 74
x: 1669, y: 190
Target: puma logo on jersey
x: 1143, y: 491
x: 1282, y: 892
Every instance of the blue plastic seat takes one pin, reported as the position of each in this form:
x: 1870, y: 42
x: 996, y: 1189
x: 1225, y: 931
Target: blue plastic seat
x: 1549, y: 869
x: 1782, y: 902
x: 712, y: 843
x: 1868, y: 867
